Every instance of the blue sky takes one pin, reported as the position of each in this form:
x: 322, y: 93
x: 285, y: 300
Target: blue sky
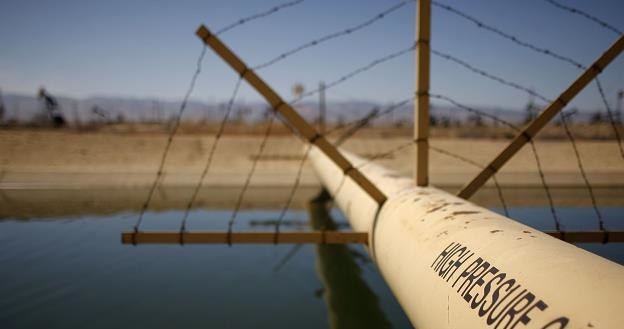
x: 148, y: 48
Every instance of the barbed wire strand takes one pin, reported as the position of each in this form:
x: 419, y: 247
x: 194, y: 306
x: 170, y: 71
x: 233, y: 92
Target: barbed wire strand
x: 369, y: 161
x: 582, y: 13
x: 490, y: 76
x: 540, y: 50
x: 582, y: 170
x: 258, y: 15
x: 506, y: 35
x: 333, y: 35
x: 211, y: 153
x: 169, y: 141
x: 531, y: 142
x: 340, y: 80
x: 545, y: 99
x: 355, y: 72
x: 182, y: 108
x: 474, y: 111
x: 332, y: 84
x: 250, y: 174
x: 546, y: 187
x: 610, y: 116
x: 475, y: 164
x: 366, y: 119
x: 291, y: 195
x: 296, y: 185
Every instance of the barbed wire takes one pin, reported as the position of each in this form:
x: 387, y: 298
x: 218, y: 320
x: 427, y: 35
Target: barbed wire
x: 355, y: 72
x: 172, y: 133
x: 490, y: 76
x: 542, y: 51
x: 333, y: 35
x: 610, y: 116
x: 506, y: 35
x: 211, y: 153
x: 250, y: 174
x: 291, y: 195
x: 474, y: 111
x: 332, y: 84
x: 181, y: 110
x: 531, y: 142
x: 586, y: 15
x: 540, y: 171
x: 478, y: 165
x: 564, y: 122
x: 582, y: 170
x: 271, y: 11
x: 366, y: 119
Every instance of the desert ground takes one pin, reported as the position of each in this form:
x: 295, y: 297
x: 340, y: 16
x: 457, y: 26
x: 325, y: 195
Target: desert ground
x: 119, y: 167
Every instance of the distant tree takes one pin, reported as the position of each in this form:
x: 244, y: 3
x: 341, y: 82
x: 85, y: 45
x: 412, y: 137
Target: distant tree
x: 476, y: 120
x: 596, y: 118
x: 100, y: 113
x: 433, y: 121
x: 531, y: 111
x: 52, y: 107
x: 445, y: 122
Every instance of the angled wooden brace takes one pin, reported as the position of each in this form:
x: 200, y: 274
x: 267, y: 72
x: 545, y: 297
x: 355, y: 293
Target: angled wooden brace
x: 538, y: 123
x: 289, y: 114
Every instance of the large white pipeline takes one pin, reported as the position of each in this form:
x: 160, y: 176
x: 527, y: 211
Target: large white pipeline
x: 452, y: 264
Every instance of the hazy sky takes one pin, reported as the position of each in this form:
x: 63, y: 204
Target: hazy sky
x: 148, y: 48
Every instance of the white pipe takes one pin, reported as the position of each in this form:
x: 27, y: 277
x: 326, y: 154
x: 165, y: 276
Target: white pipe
x: 452, y: 264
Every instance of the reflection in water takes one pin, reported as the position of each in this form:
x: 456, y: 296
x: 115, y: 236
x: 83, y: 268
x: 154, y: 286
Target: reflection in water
x: 350, y: 301
x: 24, y: 202
x: 27, y: 204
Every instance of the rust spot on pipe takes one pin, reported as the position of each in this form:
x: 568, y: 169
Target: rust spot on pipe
x: 496, y: 231
x: 465, y: 212
x: 437, y: 208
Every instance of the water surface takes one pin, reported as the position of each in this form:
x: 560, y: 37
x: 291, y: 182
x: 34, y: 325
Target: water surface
x: 74, y: 273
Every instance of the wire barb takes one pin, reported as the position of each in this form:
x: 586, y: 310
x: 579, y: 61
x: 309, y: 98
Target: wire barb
x: 586, y: 15
x: 333, y: 35
x: 563, y: 117
x: 478, y: 165
x: 510, y: 37
x: 172, y: 133
x: 291, y: 195
x: 250, y: 174
x: 273, y: 10
x: 211, y: 153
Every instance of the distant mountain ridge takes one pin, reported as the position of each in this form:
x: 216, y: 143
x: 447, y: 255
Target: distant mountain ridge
x: 23, y: 108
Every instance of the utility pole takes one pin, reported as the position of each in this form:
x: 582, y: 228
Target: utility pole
x: 322, y: 108
x: 421, y: 106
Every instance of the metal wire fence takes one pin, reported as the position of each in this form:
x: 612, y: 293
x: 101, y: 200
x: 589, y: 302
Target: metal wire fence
x: 351, y: 128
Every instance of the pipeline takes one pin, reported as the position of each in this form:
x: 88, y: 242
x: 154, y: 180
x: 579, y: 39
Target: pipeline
x: 453, y: 264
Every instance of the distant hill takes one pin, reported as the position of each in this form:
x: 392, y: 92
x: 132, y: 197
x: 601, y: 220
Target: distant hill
x: 25, y: 108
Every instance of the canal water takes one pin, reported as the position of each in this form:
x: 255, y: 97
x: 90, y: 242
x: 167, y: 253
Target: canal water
x: 73, y: 272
